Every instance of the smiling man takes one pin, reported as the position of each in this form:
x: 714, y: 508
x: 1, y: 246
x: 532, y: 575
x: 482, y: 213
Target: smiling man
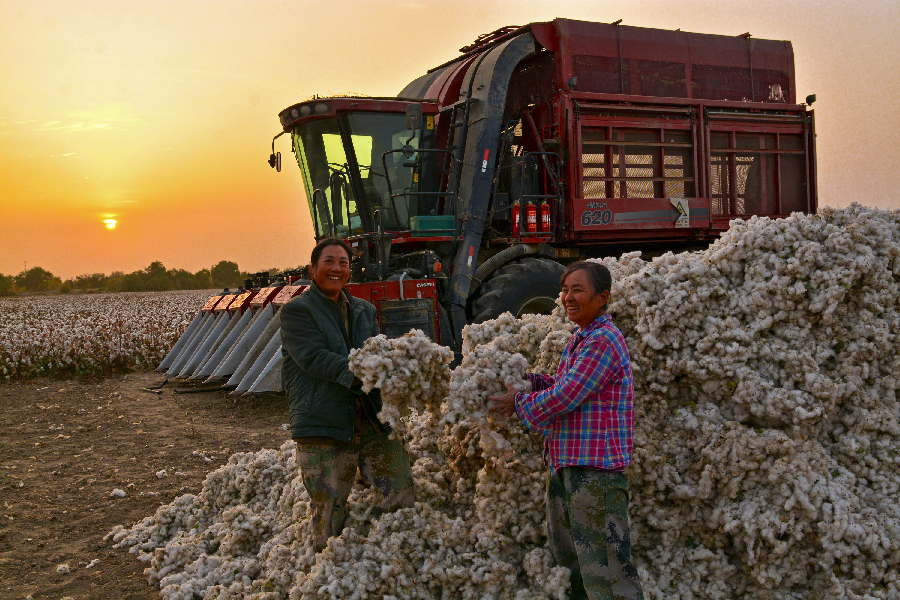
x: 335, y: 424
x: 586, y: 415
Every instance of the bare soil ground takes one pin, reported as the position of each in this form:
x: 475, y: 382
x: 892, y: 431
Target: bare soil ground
x: 66, y: 445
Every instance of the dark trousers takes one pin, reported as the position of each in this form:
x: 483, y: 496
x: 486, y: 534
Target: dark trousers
x: 587, y: 526
x: 329, y: 468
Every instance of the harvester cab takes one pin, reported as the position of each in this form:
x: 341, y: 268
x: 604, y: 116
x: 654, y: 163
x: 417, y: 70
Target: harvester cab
x: 365, y: 174
x: 371, y: 173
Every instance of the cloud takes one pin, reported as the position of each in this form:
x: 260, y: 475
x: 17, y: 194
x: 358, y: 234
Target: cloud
x: 57, y: 126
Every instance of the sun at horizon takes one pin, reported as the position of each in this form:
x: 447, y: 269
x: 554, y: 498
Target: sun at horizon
x: 110, y: 223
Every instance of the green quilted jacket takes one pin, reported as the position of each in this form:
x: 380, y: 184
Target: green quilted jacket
x: 315, y: 373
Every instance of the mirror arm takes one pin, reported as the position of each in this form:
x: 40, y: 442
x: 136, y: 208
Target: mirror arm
x: 275, y: 158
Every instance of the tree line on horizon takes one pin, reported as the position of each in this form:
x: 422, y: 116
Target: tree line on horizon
x: 155, y: 278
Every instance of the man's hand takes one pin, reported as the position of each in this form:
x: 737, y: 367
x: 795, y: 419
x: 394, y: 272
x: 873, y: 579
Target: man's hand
x: 505, y: 405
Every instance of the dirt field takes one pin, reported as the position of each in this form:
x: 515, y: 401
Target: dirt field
x: 65, y: 446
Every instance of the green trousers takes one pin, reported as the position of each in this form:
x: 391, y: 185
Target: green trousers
x: 329, y: 469
x: 587, y: 527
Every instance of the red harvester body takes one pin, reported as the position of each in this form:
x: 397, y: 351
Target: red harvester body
x: 467, y: 195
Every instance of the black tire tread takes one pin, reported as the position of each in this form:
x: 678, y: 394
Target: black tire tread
x: 524, y: 274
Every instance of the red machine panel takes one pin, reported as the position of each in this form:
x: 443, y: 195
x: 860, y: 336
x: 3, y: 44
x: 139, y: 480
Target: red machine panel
x: 210, y: 304
x: 400, y: 309
x: 286, y: 293
x: 390, y: 290
x: 264, y: 296
x: 640, y: 61
x: 223, y: 303
x: 241, y: 302
x: 613, y: 214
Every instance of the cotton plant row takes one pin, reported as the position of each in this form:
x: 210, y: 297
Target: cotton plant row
x: 91, y: 334
x: 767, y: 445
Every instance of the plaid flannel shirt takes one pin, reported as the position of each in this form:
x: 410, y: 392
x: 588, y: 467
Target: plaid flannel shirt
x: 585, y: 412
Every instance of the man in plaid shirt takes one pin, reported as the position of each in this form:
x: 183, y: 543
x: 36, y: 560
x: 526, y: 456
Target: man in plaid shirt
x: 586, y: 415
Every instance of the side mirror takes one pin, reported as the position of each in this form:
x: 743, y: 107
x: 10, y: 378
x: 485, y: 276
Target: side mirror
x: 275, y: 161
x: 414, y: 116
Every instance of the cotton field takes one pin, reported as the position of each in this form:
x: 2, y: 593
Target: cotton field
x: 767, y: 447
x: 91, y: 334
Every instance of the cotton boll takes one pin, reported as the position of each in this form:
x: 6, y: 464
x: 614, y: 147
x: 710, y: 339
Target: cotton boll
x: 411, y: 371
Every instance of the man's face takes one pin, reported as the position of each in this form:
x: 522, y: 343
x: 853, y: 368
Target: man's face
x: 332, y: 271
x: 581, y: 303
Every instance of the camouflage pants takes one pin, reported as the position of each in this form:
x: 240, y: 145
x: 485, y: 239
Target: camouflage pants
x: 329, y: 469
x: 587, y: 526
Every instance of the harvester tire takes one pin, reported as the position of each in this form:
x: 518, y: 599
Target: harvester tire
x: 529, y: 285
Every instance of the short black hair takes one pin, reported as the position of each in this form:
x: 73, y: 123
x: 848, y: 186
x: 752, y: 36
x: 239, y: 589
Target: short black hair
x: 598, y: 275
x: 331, y: 241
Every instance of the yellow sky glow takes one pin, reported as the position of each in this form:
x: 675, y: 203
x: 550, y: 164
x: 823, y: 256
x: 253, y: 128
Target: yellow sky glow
x: 162, y: 113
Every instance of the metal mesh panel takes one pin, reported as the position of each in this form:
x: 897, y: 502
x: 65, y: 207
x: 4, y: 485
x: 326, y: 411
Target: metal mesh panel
x: 718, y: 184
x: 748, y: 184
x: 639, y: 189
x: 790, y: 142
x: 741, y: 170
x: 769, y: 173
x: 793, y: 183
x: 593, y: 165
x: 637, y: 170
x: 720, y: 83
x: 639, y: 159
x: 599, y: 74
x: 594, y: 189
x: 673, y: 166
x: 661, y: 78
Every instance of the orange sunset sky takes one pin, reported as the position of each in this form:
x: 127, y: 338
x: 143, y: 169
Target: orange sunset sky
x: 160, y: 114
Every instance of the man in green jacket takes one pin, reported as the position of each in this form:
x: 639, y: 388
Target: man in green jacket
x: 335, y: 424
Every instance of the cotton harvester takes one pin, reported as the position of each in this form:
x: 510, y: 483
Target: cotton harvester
x: 466, y: 195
